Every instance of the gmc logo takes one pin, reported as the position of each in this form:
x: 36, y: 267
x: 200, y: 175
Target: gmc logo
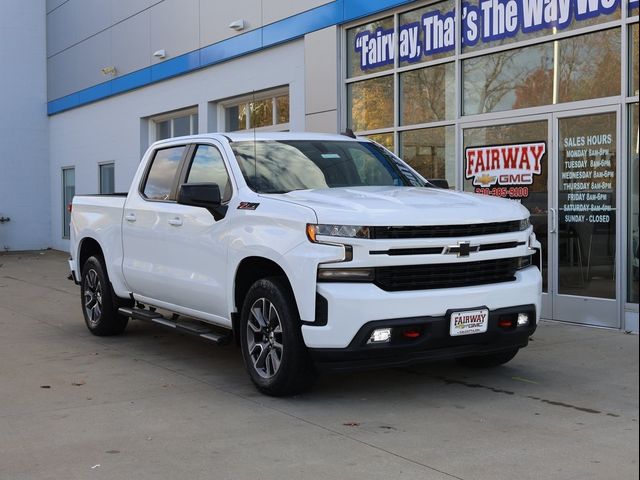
x: 515, y: 178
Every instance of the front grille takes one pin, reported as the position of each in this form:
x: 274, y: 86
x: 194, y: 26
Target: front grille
x: 445, y: 275
x: 442, y: 231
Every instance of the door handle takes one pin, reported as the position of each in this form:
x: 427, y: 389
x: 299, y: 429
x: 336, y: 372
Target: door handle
x: 130, y: 217
x: 176, y: 221
x: 554, y: 220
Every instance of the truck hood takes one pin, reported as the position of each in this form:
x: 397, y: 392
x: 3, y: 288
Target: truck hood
x: 397, y: 206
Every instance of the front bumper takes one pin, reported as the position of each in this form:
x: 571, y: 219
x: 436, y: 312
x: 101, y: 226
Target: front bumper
x: 350, y: 306
x: 433, y: 342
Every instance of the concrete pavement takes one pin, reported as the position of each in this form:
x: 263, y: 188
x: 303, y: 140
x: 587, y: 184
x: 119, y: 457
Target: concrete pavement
x: 155, y: 404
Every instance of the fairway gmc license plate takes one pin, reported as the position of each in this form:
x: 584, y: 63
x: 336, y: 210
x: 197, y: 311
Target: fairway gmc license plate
x: 469, y: 322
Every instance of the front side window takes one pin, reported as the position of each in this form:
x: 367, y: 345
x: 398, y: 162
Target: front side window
x: 162, y: 174
x: 283, y: 166
x: 208, y: 166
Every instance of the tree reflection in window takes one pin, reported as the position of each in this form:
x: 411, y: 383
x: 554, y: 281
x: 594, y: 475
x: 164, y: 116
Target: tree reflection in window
x: 588, y: 67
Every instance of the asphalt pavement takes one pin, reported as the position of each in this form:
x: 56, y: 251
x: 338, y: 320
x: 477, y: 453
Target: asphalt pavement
x: 154, y: 404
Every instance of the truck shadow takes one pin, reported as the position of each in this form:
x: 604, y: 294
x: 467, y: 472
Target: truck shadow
x: 222, y: 367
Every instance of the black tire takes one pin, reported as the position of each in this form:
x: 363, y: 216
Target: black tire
x: 490, y: 360
x: 99, y: 304
x: 273, y: 349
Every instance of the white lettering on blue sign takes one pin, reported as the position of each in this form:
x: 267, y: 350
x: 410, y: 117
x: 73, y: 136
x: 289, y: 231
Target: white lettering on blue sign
x: 439, y: 32
x: 375, y: 48
x: 486, y: 21
x: 633, y: 4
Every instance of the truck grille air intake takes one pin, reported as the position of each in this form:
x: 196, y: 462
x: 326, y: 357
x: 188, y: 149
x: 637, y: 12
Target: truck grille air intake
x: 443, y: 231
x: 448, y: 275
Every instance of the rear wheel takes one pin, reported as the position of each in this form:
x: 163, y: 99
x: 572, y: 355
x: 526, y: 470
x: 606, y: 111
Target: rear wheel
x: 98, y: 306
x: 274, y: 352
x: 491, y: 360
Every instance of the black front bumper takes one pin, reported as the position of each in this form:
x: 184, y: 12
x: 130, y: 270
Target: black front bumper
x: 433, y: 343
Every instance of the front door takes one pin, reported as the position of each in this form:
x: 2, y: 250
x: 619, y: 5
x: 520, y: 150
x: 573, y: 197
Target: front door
x: 584, y: 224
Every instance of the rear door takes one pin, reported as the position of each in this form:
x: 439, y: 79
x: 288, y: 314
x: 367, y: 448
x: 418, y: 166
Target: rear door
x: 145, y: 225
x: 180, y: 253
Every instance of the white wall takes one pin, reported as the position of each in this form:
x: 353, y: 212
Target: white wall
x: 111, y: 130
x: 24, y: 167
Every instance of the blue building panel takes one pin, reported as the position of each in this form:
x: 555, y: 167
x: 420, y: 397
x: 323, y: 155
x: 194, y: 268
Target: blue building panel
x: 291, y: 28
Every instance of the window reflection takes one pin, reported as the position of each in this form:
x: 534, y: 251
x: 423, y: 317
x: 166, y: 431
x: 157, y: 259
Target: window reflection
x: 162, y: 173
x: 208, y: 166
x: 588, y: 67
x: 427, y: 94
x: 632, y: 199
x: 370, y: 104
x: 431, y: 152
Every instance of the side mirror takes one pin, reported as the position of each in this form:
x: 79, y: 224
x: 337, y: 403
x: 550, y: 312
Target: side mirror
x: 439, y: 182
x: 206, y: 195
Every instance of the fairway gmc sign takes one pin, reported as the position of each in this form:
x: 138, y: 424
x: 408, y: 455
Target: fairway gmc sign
x: 504, y: 170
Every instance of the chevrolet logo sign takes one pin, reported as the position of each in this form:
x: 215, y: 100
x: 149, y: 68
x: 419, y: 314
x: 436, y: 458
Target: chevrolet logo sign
x: 463, y: 249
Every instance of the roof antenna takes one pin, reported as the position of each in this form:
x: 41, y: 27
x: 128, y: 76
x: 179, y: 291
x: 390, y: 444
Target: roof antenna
x: 348, y: 133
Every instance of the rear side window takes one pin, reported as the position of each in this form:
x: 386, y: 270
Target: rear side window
x: 162, y: 173
x: 208, y: 166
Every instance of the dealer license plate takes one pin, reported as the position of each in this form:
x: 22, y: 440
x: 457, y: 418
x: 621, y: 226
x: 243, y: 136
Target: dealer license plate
x: 469, y: 322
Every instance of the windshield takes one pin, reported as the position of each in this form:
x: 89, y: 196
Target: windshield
x: 286, y: 165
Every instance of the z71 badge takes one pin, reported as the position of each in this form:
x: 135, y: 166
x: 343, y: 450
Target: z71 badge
x: 247, y: 206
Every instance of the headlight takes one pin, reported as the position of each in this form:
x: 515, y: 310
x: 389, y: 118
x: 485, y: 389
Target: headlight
x: 345, y: 231
x: 524, y: 224
x: 345, y: 274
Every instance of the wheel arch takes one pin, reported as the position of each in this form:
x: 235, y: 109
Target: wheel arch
x: 88, y: 247
x: 249, y: 270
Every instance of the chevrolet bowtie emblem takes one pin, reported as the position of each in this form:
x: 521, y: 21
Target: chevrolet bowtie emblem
x: 463, y: 249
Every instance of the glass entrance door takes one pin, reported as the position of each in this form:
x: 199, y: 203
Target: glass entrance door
x: 584, y: 225
x: 521, y: 173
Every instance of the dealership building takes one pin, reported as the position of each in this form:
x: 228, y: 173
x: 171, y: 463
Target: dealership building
x: 531, y: 100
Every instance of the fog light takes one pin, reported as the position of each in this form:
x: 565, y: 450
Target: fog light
x: 523, y: 319
x: 380, y: 335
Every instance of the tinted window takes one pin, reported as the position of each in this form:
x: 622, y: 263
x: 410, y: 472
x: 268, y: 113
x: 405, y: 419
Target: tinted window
x: 208, y: 166
x: 280, y: 167
x: 163, y: 173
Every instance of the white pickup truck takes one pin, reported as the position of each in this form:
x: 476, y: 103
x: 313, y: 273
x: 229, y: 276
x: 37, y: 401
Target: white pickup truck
x: 310, y: 251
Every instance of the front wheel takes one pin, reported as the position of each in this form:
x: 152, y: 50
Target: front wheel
x: 98, y: 306
x: 490, y: 360
x: 273, y: 350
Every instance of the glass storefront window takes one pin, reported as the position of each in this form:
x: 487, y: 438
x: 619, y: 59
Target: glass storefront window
x: 384, y: 139
x: 534, y: 196
x: 491, y: 24
x: 371, y: 48
x: 588, y: 67
x: 370, y: 104
x: 428, y: 94
x: 633, y: 60
x: 431, y: 152
x: 632, y: 202
x: 427, y: 33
